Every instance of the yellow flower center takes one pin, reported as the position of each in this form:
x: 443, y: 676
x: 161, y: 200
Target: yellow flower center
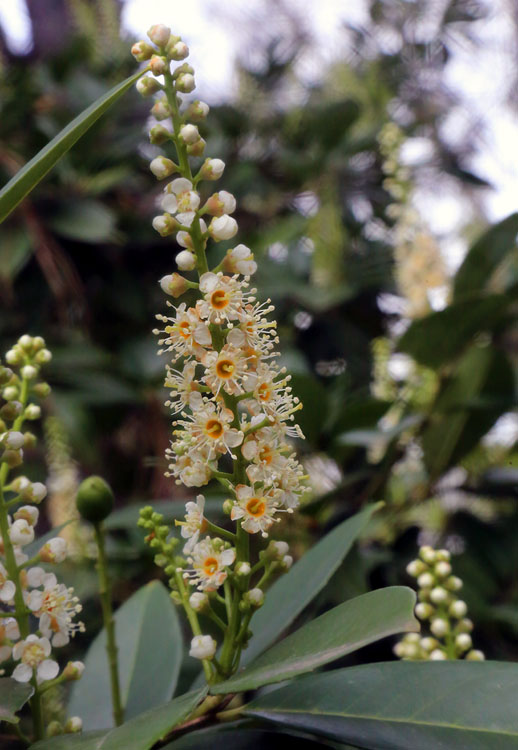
x: 33, y: 655
x: 264, y: 392
x: 225, y: 368
x: 214, y: 428
x: 219, y: 299
x: 256, y: 507
x: 210, y: 566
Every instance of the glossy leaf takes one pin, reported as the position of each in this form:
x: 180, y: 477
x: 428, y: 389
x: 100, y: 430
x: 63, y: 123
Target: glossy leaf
x: 485, y: 255
x: 141, y: 733
x: 403, y: 706
x: 291, y: 593
x: 150, y: 654
x: 442, y: 336
x: 342, y: 630
x: 13, y: 695
x: 231, y: 737
x: 28, y: 177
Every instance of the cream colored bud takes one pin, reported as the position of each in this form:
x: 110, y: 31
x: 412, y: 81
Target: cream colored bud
x: 442, y: 569
x: 453, y: 583
x: 242, y: 569
x: 255, y: 597
x: 427, y: 554
x: 165, y: 224
x: 212, y: 169
x: 438, y: 595
x: 43, y: 356
x: 463, y: 641
x: 438, y: 655
x: 13, y: 357
x: 28, y: 513
x: 439, y: 627
x: 189, y: 133
x: 196, y: 149
x: 425, y: 580
x: 32, y: 411
x: 29, y: 372
x: 158, y: 65
x: 147, y: 86
x: 458, y: 609
x: 443, y: 555
x: 428, y: 644
x: 475, y: 655
x: 162, y: 167
x: 142, y: 51
x: 186, y: 261
x: 10, y: 393
x: 174, y: 284
x: 177, y: 51
x: 286, y: 562
x: 158, y: 135
x: 424, y: 610
x: 199, y: 601
x: 197, y: 111
x: 159, y: 34
x: 223, y: 228
x: 13, y: 439
x: 203, y: 647
x: 26, y: 342
x: 54, y: 550
x: 160, y: 109
x: 185, y: 83
x: 465, y: 625
x: 73, y: 671
x: 73, y: 725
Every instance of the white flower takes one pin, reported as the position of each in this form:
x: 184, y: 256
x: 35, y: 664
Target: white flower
x: 185, y: 260
x: 33, y: 653
x: 257, y: 509
x: 185, y: 334
x: 209, y: 427
x: 21, y: 532
x: 181, y: 190
x: 194, y: 523
x: 56, y: 606
x: 54, y: 550
x: 223, y: 227
x: 7, y: 587
x: 189, y: 133
x: 203, y: 647
x: 225, y: 369
x: 223, y: 298
x: 209, y: 559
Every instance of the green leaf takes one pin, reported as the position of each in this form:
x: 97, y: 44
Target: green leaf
x: 84, y: 220
x: 28, y: 177
x: 13, y: 695
x: 15, y: 251
x: 485, y: 255
x: 340, y: 631
x: 141, y: 733
x: 290, y: 594
x: 403, y: 705
x: 232, y: 737
x: 426, y: 341
x: 150, y: 647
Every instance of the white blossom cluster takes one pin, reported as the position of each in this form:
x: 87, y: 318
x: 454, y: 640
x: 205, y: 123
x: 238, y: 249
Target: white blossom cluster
x: 37, y: 613
x: 441, y: 610
x: 233, y: 405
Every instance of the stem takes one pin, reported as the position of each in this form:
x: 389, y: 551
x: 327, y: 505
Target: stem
x: 109, y: 624
x: 193, y: 621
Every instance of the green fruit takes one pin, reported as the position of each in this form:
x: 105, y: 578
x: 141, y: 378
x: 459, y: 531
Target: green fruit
x: 94, y: 499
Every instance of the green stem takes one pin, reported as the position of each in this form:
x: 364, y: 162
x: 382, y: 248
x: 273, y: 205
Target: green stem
x: 193, y: 621
x: 109, y: 624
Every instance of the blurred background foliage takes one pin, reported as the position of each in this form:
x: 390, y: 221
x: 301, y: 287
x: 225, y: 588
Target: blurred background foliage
x: 403, y: 367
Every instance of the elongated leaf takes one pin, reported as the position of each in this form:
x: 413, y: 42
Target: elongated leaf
x: 485, y: 255
x: 231, y: 737
x: 340, y: 631
x: 13, y: 695
x: 150, y: 653
x: 293, y: 592
x: 403, y: 706
x: 426, y: 341
x: 141, y: 733
x: 28, y: 177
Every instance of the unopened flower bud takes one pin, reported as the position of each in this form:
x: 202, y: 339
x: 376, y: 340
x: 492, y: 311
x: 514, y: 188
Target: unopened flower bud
x: 438, y: 655
x: 160, y: 109
x: 54, y: 551
x: 12, y: 458
x: 199, y: 601
x: 439, y: 627
x: 159, y: 134
x: 142, y: 51
x: 11, y: 393
x: 198, y: 148
x: 32, y: 411
x: 415, y: 568
x: 427, y: 554
x: 159, y: 34
x: 11, y: 410
x: 443, y: 555
x: 475, y: 655
x: 453, y: 583
x: 158, y: 65
x: 28, y: 372
x: 197, y: 111
x: 220, y: 203
x: 94, y: 499
x: 442, y: 569
x: 212, y: 169
x: 242, y: 569
x: 227, y: 507
x: 174, y: 284
x: 465, y: 625
x: 184, y: 69
x: 54, y: 729
x: 5, y: 375
x: 165, y: 224
x: 185, y: 83
x: 255, y: 597
x: 203, y: 647
x: 223, y: 228
x: 458, y: 609
x: 186, y: 261
x: 286, y: 562
x: 189, y: 133
x: 438, y: 595
x: 29, y: 440
x: 42, y: 389
x: 12, y: 439
x: 428, y: 644
x: 463, y: 641
x: 43, y: 356
x: 36, y: 492
x: 73, y: 670
x: 28, y: 513
x: 424, y: 610
x: 147, y: 86
x: 73, y: 725
x: 21, y: 532
x: 162, y: 167
x: 425, y: 580
x: 240, y: 259
x: 13, y: 357
x: 177, y: 51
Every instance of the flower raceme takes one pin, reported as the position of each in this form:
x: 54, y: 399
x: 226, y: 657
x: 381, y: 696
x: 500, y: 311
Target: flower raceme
x: 233, y: 406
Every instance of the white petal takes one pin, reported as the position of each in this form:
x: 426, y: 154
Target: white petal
x: 234, y: 437
x: 7, y: 591
x: 60, y: 639
x: 180, y: 185
x: 35, y: 577
x: 47, y: 670
x: 34, y: 600
x: 5, y: 653
x: 22, y: 673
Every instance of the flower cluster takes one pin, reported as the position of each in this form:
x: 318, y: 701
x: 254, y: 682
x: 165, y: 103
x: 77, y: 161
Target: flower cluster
x: 419, y: 265
x: 233, y: 406
x: 37, y: 613
x: 442, y: 611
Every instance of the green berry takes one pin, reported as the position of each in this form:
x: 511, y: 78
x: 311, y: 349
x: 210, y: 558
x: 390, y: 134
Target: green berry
x: 94, y: 499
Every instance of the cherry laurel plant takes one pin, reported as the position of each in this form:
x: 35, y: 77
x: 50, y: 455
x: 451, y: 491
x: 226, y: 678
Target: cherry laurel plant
x: 232, y: 404
x: 37, y: 614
